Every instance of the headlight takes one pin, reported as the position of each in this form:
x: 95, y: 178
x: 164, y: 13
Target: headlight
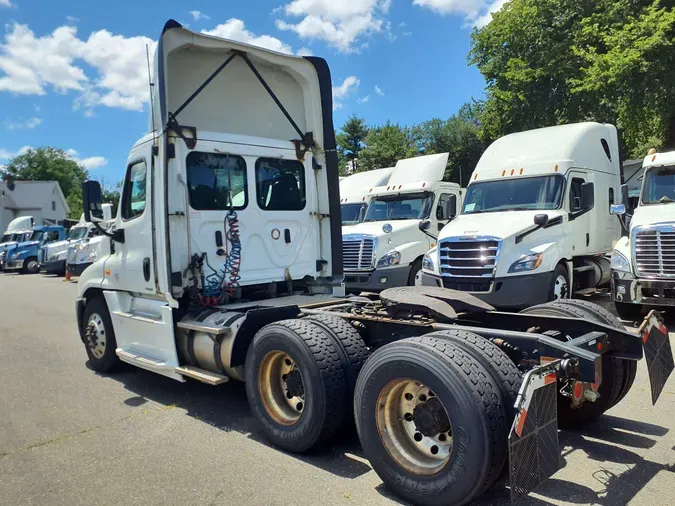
x: 620, y: 262
x: 527, y: 263
x: 92, y: 257
x: 428, y: 262
x: 391, y: 258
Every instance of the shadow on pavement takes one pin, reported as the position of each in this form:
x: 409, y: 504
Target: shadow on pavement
x: 226, y: 408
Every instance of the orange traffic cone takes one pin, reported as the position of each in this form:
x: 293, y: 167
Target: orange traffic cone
x: 67, y: 274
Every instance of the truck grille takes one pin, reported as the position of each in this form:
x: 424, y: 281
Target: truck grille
x: 655, y: 252
x: 358, y: 252
x: 474, y: 257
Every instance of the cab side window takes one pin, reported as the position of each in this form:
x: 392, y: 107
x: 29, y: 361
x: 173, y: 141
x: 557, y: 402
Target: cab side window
x: 440, y: 208
x: 134, y: 193
x: 575, y: 194
x: 52, y: 236
x: 280, y: 184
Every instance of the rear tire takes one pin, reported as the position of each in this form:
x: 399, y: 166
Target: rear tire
x: 468, y: 432
x: 570, y: 416
x: 306, y: 404
x: 99, y: 336
x: 628, y: 312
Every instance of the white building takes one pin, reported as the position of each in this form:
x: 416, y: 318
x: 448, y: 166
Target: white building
x: 43, y: 200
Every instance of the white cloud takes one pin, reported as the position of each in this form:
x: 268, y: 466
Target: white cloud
x: 476, y: 13
x: 90, y: 163
x: 379, y: 91
x: 340, y: 23
x: 343, y: 90
x: 6, y: 3
x: 72, y: 19
x: 304, y: 51
x: 23, y: 124
x: 198, y: 15
x: 402, y: 24
x: 363, y: 100
x: 5, y: 154
x: 234, y: 29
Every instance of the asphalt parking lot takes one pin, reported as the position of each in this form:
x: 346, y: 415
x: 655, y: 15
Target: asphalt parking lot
x: 70, y: 436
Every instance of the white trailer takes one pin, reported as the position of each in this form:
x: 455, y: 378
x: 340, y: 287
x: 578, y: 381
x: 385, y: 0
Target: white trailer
x: 199, y: 285
x: 537, y: 215
x: 643, y: 260
x: 403, y: 218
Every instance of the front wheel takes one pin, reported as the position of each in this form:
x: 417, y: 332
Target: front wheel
x: 560, y: 286
x: 415, y: 277
x: 99, y: 336
x: 31, y: 266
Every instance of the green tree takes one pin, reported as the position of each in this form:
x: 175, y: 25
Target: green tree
x: 111, y: 194
x: 387, y: 144
x: 350, y: 141
x: 559, y: 61
x: 49, y: 164
x: 75, y: 205
x: 460, y: 136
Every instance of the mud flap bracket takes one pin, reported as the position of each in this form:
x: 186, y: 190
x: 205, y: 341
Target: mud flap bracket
x: 658, y: 352
x: 534, y: 454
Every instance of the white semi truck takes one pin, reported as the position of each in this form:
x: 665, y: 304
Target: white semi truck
x: 643, y: 260
x: 198, y: 285
x: 19, y: 230
x: 404, y: 216
x: 536, y: 223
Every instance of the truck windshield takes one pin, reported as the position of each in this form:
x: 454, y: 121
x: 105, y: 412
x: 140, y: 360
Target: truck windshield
x: 350, y: 213
x: 521, y: 194
x: 400, y: 207
x: 8, y: 237
x: 659, y: 185
x: 78, y: 232
x: 37, y: 235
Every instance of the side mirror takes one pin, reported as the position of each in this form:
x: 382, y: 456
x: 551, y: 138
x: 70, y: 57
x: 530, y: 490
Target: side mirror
x: 587, y: 196
x: 362, y: 213
x: 451, y: 207
x: 617, y: 209
x: 625, y: 199
x: 92, y: 201
x: 541, y: 220
x: 425, y: 225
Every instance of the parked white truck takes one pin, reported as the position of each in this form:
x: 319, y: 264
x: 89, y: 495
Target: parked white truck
x: 19, y: 230
x: 200, y: 285
x: 53, y: 256
x: 84, y: 253
x: 403, y: 218
x: 536, y: 223
x: 643, y: 261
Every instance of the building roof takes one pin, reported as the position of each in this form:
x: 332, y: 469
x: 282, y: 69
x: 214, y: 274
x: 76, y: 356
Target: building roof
x: 31, y: 194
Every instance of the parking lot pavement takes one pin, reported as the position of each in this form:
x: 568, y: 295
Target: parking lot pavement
x: 70, y: 436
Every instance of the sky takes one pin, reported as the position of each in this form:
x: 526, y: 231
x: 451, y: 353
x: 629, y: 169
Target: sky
x: 73, y: 73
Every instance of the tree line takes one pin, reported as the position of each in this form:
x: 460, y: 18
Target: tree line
x: 546, y: 62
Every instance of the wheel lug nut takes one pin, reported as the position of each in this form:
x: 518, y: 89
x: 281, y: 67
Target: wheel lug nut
x: 442, y: 437
x: 434, y: 450
x: 408, y: 417
x: 418, y: 437
x: 408, y: 396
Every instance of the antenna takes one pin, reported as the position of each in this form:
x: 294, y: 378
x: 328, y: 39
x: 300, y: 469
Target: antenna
x: 151, y: 85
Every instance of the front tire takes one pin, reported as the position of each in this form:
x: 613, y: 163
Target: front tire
x: 31, y: 266
x: 99, y: 336
x: 560, y: 285
x: 415, y: 277
x: 296, y: 385
x: 431, y: 421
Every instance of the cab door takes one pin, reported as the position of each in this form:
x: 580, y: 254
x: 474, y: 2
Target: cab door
x: 131, y: 266
x: 579, y: 223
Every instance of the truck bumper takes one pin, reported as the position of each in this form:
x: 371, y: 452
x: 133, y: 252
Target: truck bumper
x: 652, y: 292
x: 55, y: 267
x: 14, y: 265
x: 77, y: 269
x: 376, y: 280
x: 515, y: 292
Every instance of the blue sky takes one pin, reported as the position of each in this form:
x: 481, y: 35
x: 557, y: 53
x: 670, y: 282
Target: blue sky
x: 73, y: 72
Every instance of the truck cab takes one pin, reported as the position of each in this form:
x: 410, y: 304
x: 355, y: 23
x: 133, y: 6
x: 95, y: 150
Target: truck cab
x: 24, y: 257
x: 82, y: 253
x: 402, y: 221
x: 355, y: 193
x: 643, y: 260
x: 536, y: 214
x: 18, y: 230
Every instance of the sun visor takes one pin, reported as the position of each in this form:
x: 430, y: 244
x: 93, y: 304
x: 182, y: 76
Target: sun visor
x: 430, y: 168
x: 218, y: 85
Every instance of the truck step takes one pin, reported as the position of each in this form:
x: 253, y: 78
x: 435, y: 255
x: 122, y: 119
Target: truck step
x: 139, y: 316
x: 583, y: 268
x: 208, y: 377
x: 586, y: 291
x: 138, y: 359
x: 200, y: 327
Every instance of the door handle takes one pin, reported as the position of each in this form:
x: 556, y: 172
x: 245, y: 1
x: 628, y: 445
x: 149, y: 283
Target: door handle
x: 146, y: 268
x: 287, y: 236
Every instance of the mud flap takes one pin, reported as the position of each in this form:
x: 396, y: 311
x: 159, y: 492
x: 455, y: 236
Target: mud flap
x: 658, y: 352
x: 534, y: 454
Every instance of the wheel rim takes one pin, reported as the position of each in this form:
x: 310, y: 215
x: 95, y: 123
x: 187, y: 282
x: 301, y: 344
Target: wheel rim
x: 560, y: 288
x: 414, y: 427
x: 96, y: 339
x: 418, y: 278
x: 32, y: 265
x: 281, y: 388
